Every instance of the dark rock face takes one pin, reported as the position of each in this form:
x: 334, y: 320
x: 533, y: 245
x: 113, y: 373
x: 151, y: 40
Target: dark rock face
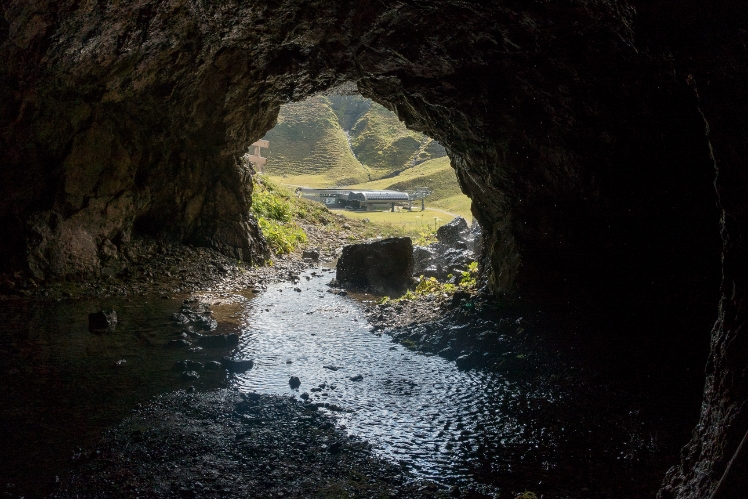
x: 384, y: 266
x: 588, y: 135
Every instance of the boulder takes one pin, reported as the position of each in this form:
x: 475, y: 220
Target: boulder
x: 422, y: 256
x: 384, y: 267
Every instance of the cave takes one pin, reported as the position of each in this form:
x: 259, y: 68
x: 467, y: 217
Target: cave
x: 603, y: 145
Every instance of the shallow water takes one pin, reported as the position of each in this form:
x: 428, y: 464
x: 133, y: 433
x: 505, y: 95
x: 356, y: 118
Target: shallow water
x: 445, y: 424
x: 416, y: 409
x: 538, y: 427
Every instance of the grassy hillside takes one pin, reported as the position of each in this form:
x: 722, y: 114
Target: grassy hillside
x: 383, y: 144
x: 309, y: 145
x: 341, y: 140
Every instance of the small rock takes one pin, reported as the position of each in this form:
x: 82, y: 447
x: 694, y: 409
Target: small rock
x: 335, y: 447
x: 358, y: 377
x: 120, y: 363
x: 294, y: 382
x: 304, y: 396
x: 331, y: 368
x: 190, y: 375
x: 310, y: 254
x: 237, y: 366
x: 102, y: 321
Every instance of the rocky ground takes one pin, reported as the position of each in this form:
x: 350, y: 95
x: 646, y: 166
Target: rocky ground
x: 466, y: 327
x: 226, y: 444
x: 146, y: 266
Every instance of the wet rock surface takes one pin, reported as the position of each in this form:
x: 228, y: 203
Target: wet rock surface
x: 225, y: 444
x: 600, y: 381
x: 102, y: 321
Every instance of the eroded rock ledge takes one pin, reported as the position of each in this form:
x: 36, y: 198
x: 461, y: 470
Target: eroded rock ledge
x: 587, y: 134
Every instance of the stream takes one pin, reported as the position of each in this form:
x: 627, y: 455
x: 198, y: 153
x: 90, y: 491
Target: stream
x: 540, y: 429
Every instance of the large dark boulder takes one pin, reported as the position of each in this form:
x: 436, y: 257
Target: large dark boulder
x: 384, y: 267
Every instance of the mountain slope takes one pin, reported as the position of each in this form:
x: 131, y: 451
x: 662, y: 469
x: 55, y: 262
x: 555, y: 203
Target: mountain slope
x: 341, y: 140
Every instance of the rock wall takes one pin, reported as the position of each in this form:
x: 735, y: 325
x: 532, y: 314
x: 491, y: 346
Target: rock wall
x: 587, y: 133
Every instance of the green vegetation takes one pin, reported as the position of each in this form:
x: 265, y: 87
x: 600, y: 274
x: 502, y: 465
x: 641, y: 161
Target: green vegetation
x: 431, y: 286
x: 415, y: 224
x: 308, y: 143
x: 275, y: 211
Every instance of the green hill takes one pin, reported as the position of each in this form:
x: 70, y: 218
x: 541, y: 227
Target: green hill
x: 342, y: 140
x: 309, y: 145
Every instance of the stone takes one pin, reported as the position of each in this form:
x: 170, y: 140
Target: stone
x: 310, y: 254
x: 451, y: 232
x: 190, y: 375
x: 237, y: 366
x: 384, y: 267
x: 422, y: 256
x: 357, y: 377
x: 102, y: 321
x: 294, y: 382
x: 188, y: 365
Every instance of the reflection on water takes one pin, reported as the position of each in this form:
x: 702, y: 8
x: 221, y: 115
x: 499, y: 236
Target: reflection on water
x: 442, y: 423
x: 539, y: 429
x: 414, y: 408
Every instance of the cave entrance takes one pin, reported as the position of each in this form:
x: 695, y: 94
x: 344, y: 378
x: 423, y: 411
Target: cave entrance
x: 342, y: 149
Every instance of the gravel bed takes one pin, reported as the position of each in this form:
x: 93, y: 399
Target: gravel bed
x: 226, y: 444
